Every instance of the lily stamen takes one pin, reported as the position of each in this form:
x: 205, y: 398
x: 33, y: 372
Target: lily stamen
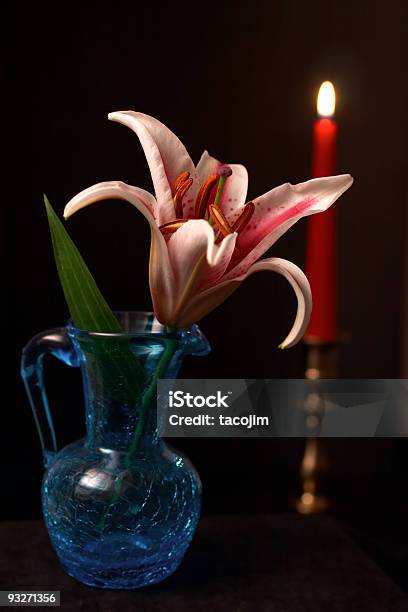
x: 203, y: 196
x: 180, y: 180
x: 240, y: 224
x: 220, y: 220
x: 172, y: 226
x: 179, y: 195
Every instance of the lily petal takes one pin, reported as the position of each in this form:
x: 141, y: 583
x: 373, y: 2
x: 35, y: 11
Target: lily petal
x: 276, y: 211
x: 160, y: 272
x: 218, y: 259
x: 166, y: 156
x: 236, y: 187
x: 207, y: 300
x: 196, y: 260
x: 113, y: 190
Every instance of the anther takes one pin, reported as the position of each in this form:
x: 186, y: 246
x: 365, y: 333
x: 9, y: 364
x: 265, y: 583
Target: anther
x: 180, y: 180
x: 220, y: 220
x: 179, y: 195
x: 243, y: 219
x: 172, y: 226
x: 203, y: 196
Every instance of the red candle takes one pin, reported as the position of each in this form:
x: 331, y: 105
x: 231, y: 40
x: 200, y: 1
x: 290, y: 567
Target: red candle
x: 321, y: 228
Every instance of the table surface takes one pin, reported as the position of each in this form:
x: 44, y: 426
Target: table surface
x: 265, y: 563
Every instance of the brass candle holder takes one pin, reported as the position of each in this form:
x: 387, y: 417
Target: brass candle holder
x: 321, y: 362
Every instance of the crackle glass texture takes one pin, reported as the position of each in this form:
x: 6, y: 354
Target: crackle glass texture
x: 120, y: 505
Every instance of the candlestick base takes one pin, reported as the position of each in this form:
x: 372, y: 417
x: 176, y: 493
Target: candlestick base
x: 310, y: 503
x: 321, y: 362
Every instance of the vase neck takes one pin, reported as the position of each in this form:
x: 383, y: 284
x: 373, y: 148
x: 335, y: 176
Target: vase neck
x: 110, y: 424
x: 120, y: 373
x: 120, y: 391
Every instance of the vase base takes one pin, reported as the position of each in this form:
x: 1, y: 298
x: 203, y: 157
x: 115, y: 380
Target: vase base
x: 120, y: 563
x: 128, y: 579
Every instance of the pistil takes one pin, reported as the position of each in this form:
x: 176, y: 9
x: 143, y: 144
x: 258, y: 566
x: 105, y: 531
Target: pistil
x: 223, y: 172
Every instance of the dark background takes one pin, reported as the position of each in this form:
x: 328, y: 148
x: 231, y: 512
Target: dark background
x: 239, y: 78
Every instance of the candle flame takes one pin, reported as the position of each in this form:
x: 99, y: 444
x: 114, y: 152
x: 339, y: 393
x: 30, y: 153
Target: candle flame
x: 326, y: 99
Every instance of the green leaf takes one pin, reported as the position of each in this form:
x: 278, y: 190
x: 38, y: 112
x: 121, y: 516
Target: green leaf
x: 123, y: 373
x: 88, y: 308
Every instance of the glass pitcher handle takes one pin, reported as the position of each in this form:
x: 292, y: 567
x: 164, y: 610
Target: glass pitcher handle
x: 54, y: 342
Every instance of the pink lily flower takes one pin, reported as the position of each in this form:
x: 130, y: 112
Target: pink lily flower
x: 205, y: 238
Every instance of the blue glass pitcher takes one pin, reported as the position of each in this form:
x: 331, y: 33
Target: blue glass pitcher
x: 120, y: 506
